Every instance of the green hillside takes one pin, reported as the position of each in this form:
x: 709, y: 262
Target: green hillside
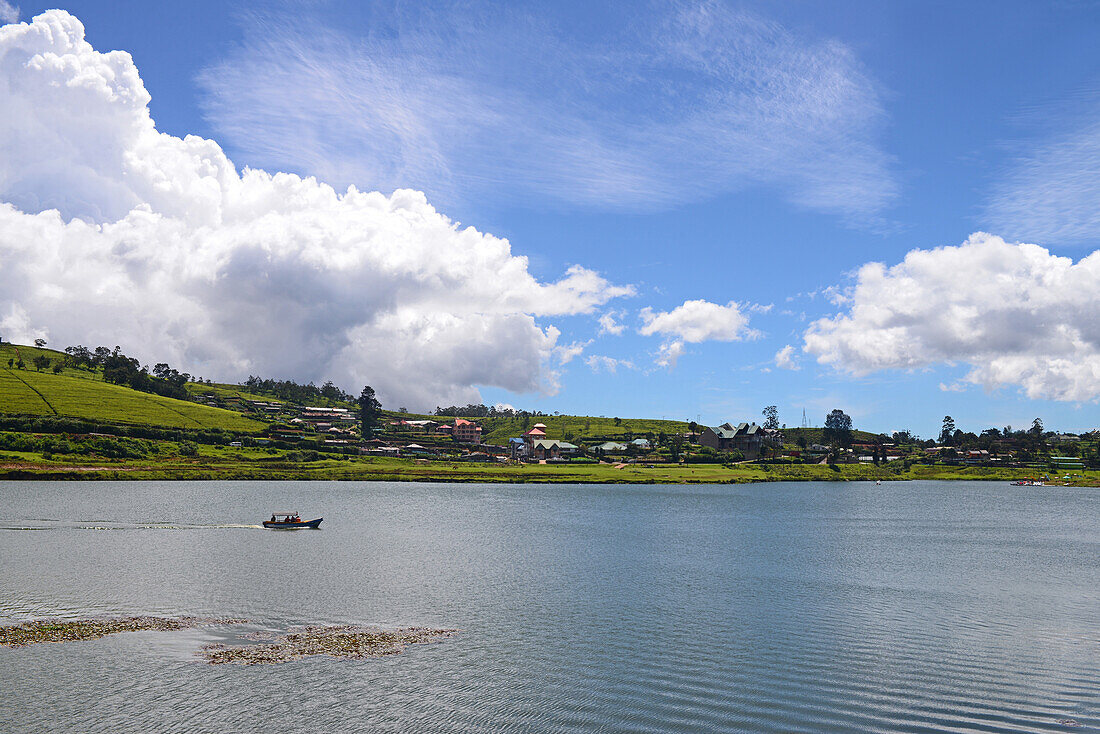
x: 817, y: 435
x: 83, y: 394
x: 577, y: 428
x: 227, y: 391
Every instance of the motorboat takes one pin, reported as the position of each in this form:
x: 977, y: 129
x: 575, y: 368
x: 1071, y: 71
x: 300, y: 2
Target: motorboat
x: 290, y: 521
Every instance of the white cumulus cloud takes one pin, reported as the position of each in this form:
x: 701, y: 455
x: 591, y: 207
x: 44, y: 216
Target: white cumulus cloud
x: 609, y: 323
x: 1015, y: 313
x: 785, y: 358
x: 694, y: 322
x: 112, y: 232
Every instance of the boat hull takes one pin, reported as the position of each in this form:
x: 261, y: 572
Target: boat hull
x: 312, y: 524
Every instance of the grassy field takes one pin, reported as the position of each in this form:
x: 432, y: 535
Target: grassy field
x: 167, y: 461
x: 78, y: 394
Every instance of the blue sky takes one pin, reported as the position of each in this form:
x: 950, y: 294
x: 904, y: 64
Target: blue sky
x: 752, y: 156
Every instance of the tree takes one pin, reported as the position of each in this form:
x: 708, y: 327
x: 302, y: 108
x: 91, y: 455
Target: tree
x: 904, y: 436
x: 675, y: 447
x: 11, y: 363
x: 838, y: 427
x: 693, y: 426
x: 370, y: 411
x: 947, y: 433
x: 1036, y: 427
x: 41, y: 362
x: 771, y: 417
x: 618, y: 421
x: 40, y: 343
x: 57, y: 367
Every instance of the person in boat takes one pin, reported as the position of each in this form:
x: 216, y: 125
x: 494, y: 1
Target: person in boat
x: 272, y: 518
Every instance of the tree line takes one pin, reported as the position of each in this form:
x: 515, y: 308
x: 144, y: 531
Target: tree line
x: 295, y: 392
x: 120, y: 369
x: 480, y: 410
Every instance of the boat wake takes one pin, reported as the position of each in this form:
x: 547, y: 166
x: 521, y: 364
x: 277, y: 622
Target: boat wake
x: 110, y: 525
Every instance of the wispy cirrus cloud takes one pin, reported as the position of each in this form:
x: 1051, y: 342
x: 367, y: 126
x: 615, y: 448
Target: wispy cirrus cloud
x: 601, y: 362
x: 697, y: 100
x: 8, y: 13
x: 1051, y: 194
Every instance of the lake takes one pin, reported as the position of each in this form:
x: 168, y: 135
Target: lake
x: 905, y: 607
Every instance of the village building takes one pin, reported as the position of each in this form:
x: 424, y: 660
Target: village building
x: 747, y: 438
x: 537, y: 433
x: 544, y: 449
x: 517, y: 448
x: 465, y: 431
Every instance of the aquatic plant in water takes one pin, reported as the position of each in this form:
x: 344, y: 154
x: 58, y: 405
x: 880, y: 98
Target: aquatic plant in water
x: 343, y: 642
x: 38, y: 631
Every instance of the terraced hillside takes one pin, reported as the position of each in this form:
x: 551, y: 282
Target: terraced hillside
x: 81, y: 394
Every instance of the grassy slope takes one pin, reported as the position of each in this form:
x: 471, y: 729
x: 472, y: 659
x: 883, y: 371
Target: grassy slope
x: 81, y: 394
x: 585, y: 429
x: 221, y: 390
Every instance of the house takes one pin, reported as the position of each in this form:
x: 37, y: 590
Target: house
x: 465, y: 431
x: 517, y: 448
x: 391, y: 451
x: 642, y: 444
x: 744, y: 437
x: 425, y: 425
x: 610, y: 447
x: 980, y: 456
x: 544, y: 449
x: 537, y: 433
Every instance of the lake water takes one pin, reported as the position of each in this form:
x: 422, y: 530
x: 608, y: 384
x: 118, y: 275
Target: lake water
x: 904, y: 607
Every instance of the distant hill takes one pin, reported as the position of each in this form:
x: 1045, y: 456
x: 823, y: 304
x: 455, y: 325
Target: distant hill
x: 817, y: 435
x: 83, y: 394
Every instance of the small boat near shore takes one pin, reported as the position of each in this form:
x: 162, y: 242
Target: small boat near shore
x: 290, y: 521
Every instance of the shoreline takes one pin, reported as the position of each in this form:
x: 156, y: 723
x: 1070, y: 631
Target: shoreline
x: 398, y: 470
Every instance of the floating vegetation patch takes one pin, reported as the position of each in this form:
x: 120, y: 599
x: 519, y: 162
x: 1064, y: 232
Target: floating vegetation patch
x: 61, y: 630
x: 347, y: 642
